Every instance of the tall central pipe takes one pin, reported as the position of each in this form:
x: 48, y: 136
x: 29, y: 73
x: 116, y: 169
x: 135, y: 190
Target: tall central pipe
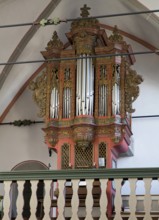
x: 84, y: 86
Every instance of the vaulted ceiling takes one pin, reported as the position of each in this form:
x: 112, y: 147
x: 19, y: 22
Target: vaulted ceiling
x: 24, y: 43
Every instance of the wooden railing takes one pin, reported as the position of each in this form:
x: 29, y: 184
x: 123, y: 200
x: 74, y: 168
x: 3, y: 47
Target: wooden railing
x: 80, y: 194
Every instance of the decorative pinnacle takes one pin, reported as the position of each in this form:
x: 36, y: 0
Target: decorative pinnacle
x: 84, y: 11
x: 115, y: 30
x: 55, y: 42
x: 116, y: 37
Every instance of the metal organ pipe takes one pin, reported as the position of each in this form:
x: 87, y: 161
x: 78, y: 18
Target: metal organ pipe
x: 84, y: 86
x: 77, y: 88
x: 67, y: 102
x: 116, y: 91
x: 87, y: 86
x: 92, y: 87
x: 51, y: 104
x: 64, y: 103
x: 102, y: 100
x: 54, y: 103
x: 118, y: 98
x: 113, y: 101
x: 105, y: 100
x: 102, y: 92
x: 79, y: 83
x: 57, y: 104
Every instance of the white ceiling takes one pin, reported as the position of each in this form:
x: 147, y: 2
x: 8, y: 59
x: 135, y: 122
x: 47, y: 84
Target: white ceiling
x: 22, y: 11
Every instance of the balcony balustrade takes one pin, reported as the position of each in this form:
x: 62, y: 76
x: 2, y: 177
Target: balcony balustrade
x: 111, y: 194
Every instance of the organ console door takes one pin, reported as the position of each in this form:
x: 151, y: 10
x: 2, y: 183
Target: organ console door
x: 85, y: 95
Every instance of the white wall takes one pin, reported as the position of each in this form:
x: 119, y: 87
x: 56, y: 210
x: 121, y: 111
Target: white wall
x: 145, y: 130
x: 26, y: 142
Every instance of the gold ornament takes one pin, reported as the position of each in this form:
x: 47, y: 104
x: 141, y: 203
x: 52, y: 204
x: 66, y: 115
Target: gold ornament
x: 39, y: 92
x: 132, y: 81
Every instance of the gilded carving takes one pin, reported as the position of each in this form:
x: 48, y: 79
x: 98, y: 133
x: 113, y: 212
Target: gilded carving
x: 132, y: 81
x: 39, y: 88
x: 84, y: 43
x: 114, y: 132
x: 51, y: 135
x: 103, y: 75
x: 105, y: 130
x: 84, y: 32
x: 67, y: 78
x: 83, y: 135
x: 84, y: 11
x: 55, y: 42
x: 55, y: 78
x: 65, y: 133
x: 116, y: 37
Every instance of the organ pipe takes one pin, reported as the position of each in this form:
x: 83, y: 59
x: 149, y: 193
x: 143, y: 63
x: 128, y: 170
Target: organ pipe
x: 54, y: 103
x: 102, y: 100
x: 67, y: 102
x: 88, y: 88
x: 84, y: 86
x: 116, y: 91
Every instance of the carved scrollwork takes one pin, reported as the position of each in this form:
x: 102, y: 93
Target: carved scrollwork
x: 39, y: 88
x: 132, y: 81
x: 84, y: 43
x: 51, y: 135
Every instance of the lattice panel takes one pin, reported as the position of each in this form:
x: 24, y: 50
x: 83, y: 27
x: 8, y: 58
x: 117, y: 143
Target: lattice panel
x: 65, y: 156
x: 83, y: 157
x: 102, y: 151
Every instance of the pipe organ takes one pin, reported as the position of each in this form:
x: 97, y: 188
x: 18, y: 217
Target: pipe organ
x: 87, y: 101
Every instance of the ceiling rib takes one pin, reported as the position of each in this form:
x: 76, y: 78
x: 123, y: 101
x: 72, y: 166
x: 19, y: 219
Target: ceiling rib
x: 29, y: 34
x: 50, y: 22
x: 132, y: 37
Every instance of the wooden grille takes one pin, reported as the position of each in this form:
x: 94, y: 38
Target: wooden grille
x: 83, y: 157
x: 102, y: 153
x: 65, y: 156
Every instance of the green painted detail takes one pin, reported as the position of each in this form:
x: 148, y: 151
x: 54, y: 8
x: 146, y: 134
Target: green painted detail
x: 24, y: 122
x: 43, y: 22
x: 80, y: 174
x: 54, y: 21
